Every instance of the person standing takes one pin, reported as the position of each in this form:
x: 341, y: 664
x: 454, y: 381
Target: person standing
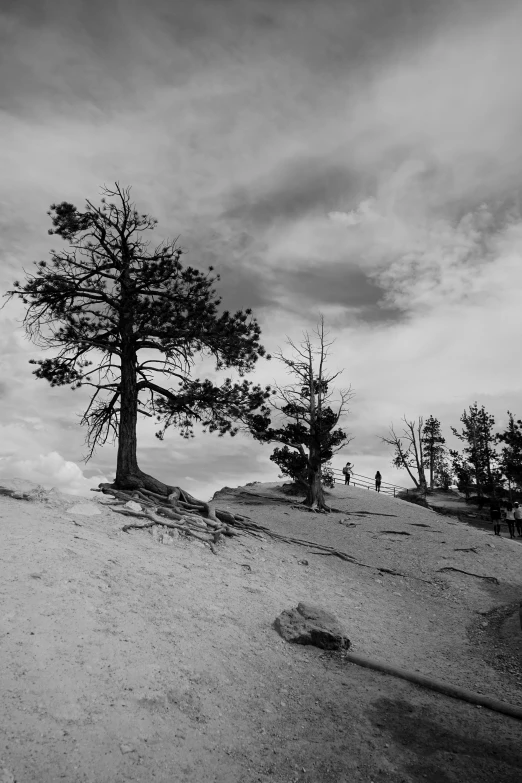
x: 510, y: 519
x: 347, y: 470
x: 494, y: 511
x: 378, y: 479
x: 518, y: 519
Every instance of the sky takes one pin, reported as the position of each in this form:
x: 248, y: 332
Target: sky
x: 355, y: 158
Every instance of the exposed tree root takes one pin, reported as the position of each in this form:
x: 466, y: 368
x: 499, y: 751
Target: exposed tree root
x: 467, y: 549
x: 177, y: 510
x: 194, y: 518
x: 469, y: 573
x: 344, y: 556
x: 318, y: 509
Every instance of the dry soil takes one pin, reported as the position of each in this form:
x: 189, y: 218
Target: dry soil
x: 127, y: 659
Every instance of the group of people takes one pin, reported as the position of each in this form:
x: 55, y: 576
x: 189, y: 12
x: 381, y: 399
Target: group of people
x: 348, y: 470
x: 509, y: 513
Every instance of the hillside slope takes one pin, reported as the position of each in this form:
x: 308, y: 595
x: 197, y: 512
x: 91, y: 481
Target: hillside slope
x: 124, y: 659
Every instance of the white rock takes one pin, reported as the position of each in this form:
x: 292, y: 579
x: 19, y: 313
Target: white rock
x: 132, y: 506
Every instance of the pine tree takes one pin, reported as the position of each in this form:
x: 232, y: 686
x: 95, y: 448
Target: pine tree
x: 479, y: 452
x: 128, y: 322
x: 511, y: 454
x: 433, y: 444
x: 462, y: 470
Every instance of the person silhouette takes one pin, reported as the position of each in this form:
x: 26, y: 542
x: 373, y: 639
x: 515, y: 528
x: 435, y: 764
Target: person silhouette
x: 347, y: 470
x: 378, y: 479
x: 518, y: 519
x: 510, y: 519
x: 494, y: 511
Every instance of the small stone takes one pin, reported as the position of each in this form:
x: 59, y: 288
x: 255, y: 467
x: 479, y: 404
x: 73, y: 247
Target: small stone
x: 132, y: 506
x: 302, y: 562
x: 126, y: 748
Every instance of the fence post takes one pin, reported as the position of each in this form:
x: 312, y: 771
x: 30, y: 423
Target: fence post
x: 394, y: 492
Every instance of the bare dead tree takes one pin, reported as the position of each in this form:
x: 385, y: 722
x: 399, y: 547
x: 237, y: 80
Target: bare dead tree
x: 308, y: 414
x: 409, y: 450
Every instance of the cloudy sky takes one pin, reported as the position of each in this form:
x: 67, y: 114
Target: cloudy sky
x: 359, y: 158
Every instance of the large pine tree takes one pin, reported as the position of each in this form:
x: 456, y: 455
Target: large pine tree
x: 479, y: 451
x: 433, y: 447
x: 129, y: 322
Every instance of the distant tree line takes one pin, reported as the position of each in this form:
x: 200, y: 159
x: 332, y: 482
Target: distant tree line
x: 489, y: 462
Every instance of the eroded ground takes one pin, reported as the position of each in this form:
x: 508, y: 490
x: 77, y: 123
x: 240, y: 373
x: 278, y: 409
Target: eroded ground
x: 124, y: 659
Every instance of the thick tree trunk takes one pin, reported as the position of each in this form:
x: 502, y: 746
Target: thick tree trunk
x: 127, y: 470
x: 128, y: 474
x: 315, y: 492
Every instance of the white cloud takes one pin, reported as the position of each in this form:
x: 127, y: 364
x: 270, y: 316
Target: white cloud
x: 50, y: 471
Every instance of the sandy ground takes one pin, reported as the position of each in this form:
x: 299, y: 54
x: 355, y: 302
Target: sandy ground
x: 454, y: 503
x: 125, y: 659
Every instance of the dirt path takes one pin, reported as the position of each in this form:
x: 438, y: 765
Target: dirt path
x: 124, y: 659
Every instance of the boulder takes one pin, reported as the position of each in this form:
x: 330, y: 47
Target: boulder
x: 312, y: 625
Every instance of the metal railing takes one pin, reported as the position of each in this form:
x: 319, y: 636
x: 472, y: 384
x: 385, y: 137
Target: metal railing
x: 357, y: 480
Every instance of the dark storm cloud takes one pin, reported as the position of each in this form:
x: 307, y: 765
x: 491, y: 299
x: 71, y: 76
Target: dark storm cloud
x: 299, y: 187
x: 248, y: 281
x: 108, y: 53
x: 331, y: 284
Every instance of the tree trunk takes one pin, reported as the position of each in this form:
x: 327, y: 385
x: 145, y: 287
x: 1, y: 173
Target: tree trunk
x: 404, y: 461
x: 315, y: 491
x: 477, y: 464
x: 128, y: 474
x: 127, y: 470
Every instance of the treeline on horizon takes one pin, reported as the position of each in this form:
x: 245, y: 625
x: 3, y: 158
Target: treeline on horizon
x: 489, y: 462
